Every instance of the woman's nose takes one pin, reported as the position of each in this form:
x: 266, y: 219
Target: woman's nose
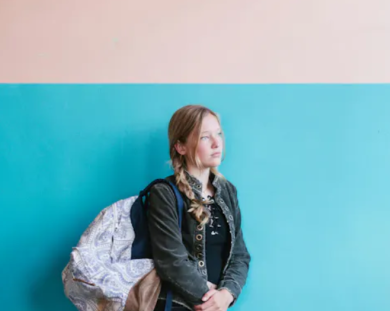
x: 215, y: 142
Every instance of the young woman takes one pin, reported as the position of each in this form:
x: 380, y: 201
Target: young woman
x: 206, y: 263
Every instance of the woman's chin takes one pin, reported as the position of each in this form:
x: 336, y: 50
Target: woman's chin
x: 215, y: 163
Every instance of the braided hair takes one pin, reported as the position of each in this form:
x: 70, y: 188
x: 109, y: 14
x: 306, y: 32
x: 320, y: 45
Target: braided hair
x: 184, y: 128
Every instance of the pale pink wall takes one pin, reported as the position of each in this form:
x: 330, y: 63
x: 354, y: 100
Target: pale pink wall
x: 243, y: 41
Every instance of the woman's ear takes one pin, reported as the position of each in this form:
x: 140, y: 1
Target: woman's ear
x: 180, y: 148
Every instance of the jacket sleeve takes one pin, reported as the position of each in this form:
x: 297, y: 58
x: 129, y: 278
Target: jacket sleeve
x: 236, y: 274
x: 169, y: 253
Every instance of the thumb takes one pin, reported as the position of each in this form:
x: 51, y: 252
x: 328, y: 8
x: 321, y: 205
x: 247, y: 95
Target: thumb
x: 210, y: 293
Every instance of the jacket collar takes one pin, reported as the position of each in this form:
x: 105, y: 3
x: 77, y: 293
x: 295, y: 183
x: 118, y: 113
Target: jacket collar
x: 196, y: 184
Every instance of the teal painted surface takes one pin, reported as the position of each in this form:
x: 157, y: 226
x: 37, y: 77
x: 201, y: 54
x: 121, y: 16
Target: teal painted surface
x: 311, y: 163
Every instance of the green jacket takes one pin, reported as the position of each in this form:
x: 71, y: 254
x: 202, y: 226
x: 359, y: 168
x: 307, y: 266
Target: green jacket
x: 179, y: 256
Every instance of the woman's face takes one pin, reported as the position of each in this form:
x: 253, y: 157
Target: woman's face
x: 210, y: 144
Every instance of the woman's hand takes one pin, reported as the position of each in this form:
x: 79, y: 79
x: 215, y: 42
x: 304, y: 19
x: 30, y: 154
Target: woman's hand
x: 215, y: 300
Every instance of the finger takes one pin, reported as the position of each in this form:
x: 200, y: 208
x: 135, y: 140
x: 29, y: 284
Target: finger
x: 201, y: 307
x: 209, y: 294
x: 207, y: 306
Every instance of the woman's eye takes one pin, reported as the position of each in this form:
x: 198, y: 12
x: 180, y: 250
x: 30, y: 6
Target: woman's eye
x: 220, y: 133
x: 204, y: 137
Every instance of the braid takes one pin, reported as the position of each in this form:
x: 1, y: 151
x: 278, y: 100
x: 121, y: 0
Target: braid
x: 184, y: 128
x: 197, y: 209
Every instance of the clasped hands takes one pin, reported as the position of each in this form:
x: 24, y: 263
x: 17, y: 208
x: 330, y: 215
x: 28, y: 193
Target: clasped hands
x: 215, y: 300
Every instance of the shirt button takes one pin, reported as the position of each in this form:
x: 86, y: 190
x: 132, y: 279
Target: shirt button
x: 199, y: 237
x: 230, y: 217
x: 204, y: 272
x: 199, y: 255
x: 199, y: 227
x: 201, y: 263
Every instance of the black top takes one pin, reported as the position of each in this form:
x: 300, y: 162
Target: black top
x: 217, y: 242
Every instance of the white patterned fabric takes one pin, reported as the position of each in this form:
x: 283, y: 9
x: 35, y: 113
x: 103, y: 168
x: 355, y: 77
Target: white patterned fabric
x: 100, y: 272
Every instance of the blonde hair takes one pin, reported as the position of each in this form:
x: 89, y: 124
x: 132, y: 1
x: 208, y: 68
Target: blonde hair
x: 185, y: 126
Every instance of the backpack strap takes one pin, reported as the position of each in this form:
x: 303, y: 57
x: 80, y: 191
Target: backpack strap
x: 180, y: 207
x: 179, y: 199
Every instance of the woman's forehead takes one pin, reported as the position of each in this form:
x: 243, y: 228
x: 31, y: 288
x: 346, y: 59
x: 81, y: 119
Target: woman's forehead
x: 210, y: 124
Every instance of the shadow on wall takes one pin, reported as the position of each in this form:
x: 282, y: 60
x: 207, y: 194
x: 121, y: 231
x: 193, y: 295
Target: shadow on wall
x: 130, y: 164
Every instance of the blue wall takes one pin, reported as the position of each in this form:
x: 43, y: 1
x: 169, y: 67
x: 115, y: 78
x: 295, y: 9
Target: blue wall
x: 311, y: 164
